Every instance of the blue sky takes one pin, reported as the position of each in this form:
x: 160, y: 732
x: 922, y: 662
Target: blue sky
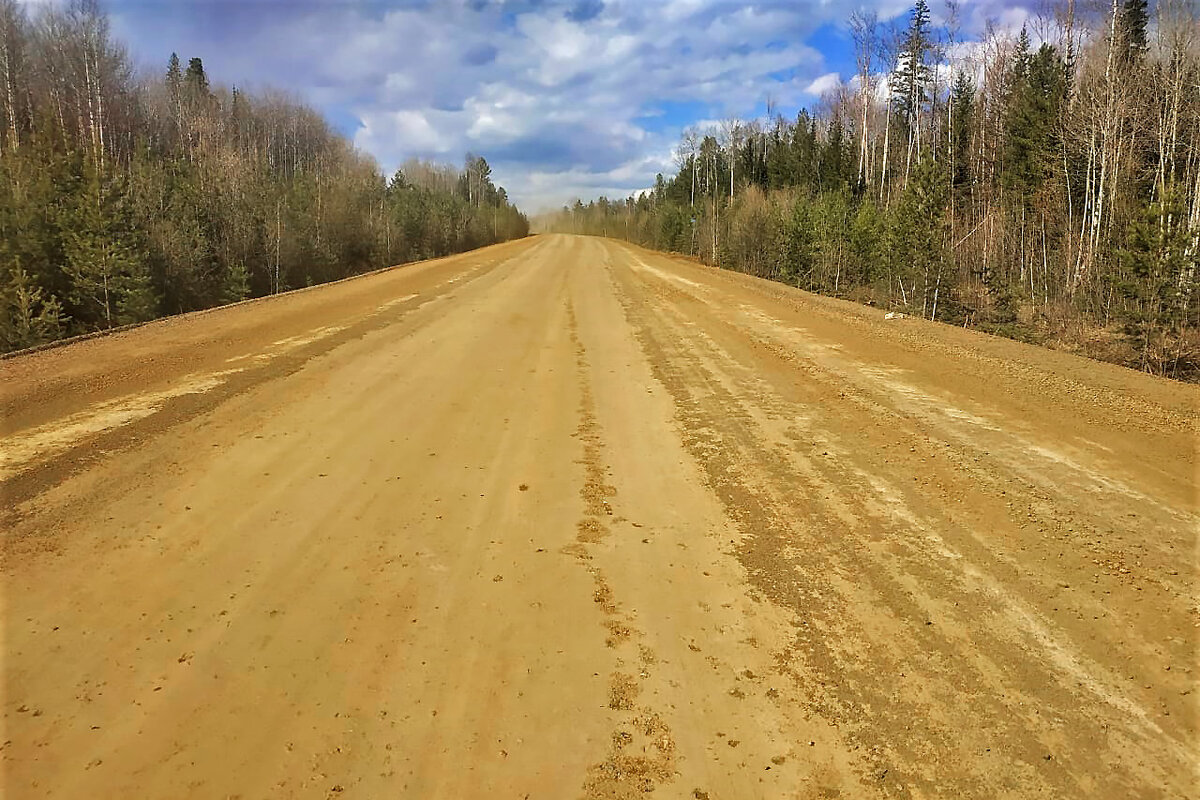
x: 565, y: 98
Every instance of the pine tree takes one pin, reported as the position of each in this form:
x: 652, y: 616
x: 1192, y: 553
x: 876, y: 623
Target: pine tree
x: 1020, y: 63
x: 28, y: 315
x: 910, y: 81
x: 834, y: 157
x: 1132, y: 31
x: 962, y: 113
x: 110, y: 284
x: 239, y: 114
x: 1158, y: 258
x: 195, y: 80
x: 864, y: 240
x: 1031, y: 147
x: 186, y: 271
x: 799, y: 238
x: 174, y: 77
x: 174, y: 84
x: 236, y: 285
x: 917, y: 236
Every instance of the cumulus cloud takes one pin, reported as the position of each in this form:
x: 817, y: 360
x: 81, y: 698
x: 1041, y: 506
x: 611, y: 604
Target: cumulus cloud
x: 827, y: 82
x: 564, y: 98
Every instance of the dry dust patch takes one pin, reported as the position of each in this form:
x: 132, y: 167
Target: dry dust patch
x: 642, y: 266
x: 618, y: 633
x: 396, y: 302
x: 603, y: 595
x: 22, y: 450
x: 622, y: 691
x: 590, y: 531
x: 641, y: 756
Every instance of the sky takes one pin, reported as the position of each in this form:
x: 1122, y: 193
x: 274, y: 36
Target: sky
x: 564, y: 98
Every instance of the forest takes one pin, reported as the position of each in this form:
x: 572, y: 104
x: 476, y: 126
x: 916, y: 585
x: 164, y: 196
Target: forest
x: 1042, y: 184
x: 128, y: 196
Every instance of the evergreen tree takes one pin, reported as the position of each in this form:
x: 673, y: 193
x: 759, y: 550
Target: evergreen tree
x: 239, y: 114
x: 1132, y: 24
x: 236, y: 285
x: 1032, y: 147
x: 910, y: 81
x: 1159, y: 259
x: 917, y: 236
x: 174, y: 78
x: 799, y: 244
x: 863, y: 240
x: 834, y: 161
x: 1020, y: 62
x: 110, y: 284
x: 183, y: 243
x: 962, y: 114
x: 28, y: 315
x: 195, y: 81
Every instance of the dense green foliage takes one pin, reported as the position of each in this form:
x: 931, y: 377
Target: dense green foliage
x: 1049, y: 193
x: 123, y: 198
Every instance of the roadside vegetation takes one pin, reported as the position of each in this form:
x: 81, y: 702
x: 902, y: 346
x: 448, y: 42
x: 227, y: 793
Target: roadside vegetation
x: 1043, y: 186
x: 125, y: 197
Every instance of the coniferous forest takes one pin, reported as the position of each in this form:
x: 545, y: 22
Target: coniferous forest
x: 1042, y: 185
x: 124, y: 197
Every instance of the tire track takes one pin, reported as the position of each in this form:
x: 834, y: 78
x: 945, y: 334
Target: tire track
x: 641, y: 753
x: 860, y: 575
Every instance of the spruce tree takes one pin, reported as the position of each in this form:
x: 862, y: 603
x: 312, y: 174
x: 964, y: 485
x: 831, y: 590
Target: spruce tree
x: 239, y: 113
x: 195, y: 80
x: 962, y: 112
x: 1132, y: 26
x: 1021, y: 58
x: 918, y: 226
x: 110, y: 284
x: 1157, y: 257
x: 799, y: 243
x: 1031, y: 147
x: 174, y: 77
x: 911, y: 79
x: 174, y: 83
x: 834, y: 157
x: 28, y: 315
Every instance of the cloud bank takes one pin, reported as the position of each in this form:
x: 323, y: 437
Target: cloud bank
x: 565, y: 99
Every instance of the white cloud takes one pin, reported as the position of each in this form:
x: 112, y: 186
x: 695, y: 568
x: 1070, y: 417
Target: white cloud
x: 827, y: 82
x: 408, y: 126
x: 561, y: 100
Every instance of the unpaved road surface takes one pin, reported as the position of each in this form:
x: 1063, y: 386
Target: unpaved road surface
x: 565, y: 518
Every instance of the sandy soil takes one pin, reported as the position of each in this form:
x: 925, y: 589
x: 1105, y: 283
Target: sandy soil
x: 566, y: 518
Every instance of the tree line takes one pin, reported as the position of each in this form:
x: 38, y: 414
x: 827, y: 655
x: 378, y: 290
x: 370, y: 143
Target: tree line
x: 1043, y: 185
x: 125, y: 197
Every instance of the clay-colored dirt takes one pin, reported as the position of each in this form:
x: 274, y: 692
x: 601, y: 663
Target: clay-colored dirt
x: 565, y: 518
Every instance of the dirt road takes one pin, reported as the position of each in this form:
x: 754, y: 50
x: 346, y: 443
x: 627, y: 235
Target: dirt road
x: 565, y: 518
